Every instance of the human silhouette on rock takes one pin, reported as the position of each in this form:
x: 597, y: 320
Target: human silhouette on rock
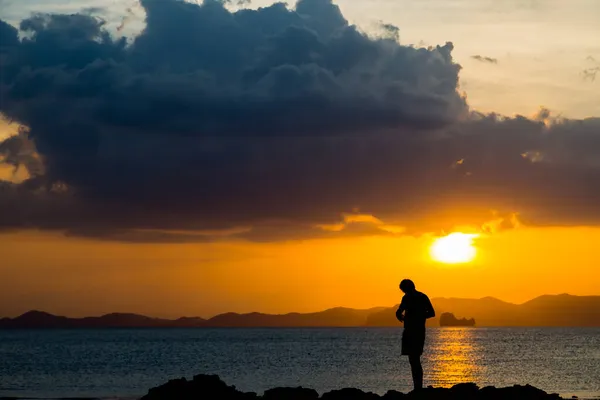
x: 414, y: 310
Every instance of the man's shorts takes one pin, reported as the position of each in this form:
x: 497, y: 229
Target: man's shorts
x: 413, y: 341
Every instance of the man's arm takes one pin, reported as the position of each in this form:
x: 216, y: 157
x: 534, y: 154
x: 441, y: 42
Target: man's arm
x: 429, y: 311
x: 400, y: 311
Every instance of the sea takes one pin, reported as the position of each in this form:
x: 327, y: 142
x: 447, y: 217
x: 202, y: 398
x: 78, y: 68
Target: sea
x: 125, y: 363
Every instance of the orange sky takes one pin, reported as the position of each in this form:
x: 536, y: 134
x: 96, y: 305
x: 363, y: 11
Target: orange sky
x: 79, y: 277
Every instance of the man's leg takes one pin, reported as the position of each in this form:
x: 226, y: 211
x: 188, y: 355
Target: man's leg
x: 417, y: 370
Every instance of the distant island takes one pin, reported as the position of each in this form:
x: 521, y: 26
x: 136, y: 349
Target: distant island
x: 448, y: 319
x: 549, y: 310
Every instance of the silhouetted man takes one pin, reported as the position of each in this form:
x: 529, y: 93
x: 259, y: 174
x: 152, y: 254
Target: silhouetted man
x: 414, y: 310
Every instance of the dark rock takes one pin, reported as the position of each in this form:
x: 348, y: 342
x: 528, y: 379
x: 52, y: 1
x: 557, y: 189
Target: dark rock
x: 430, y: 393
x: 394, y: 395
x: 211, y: 387
x: 349, y: 394
x: 202, y: 387
x: 526, y: 392
x: 490, y: 392
x: 516, y: 392
x: 175, y: 388
x: 298, y: 393
x: 464, y: 391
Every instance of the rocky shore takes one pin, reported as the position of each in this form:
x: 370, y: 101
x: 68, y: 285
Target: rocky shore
x: 211, y: 387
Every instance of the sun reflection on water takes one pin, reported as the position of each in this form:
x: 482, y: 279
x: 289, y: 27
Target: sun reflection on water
x: 454, y: 357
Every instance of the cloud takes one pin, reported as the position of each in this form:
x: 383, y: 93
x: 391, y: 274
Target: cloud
x: 485, y: 59
x: 351, y: 221
x: 279, y: 119
x: 390, y: 31
x: 590, y: 73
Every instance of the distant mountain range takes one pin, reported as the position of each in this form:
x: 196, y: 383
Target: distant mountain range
x: 39, y: 319
x: 559, y: 310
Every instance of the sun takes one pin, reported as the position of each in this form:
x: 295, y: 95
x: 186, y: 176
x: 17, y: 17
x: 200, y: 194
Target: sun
x: 456, y: 248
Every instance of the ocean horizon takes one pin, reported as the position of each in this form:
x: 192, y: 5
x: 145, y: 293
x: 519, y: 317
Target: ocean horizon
x: 125, y: 363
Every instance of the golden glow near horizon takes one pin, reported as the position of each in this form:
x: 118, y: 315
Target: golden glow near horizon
x: 456, y: 248
x: 50, y: 272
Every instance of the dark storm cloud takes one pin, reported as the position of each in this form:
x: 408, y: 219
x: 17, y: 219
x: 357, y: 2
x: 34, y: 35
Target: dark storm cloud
x: 279, y: 119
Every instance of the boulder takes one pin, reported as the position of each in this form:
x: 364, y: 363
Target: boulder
x: 202, y: 387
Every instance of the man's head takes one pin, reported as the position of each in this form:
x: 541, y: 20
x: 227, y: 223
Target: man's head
x: 407, y: 286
